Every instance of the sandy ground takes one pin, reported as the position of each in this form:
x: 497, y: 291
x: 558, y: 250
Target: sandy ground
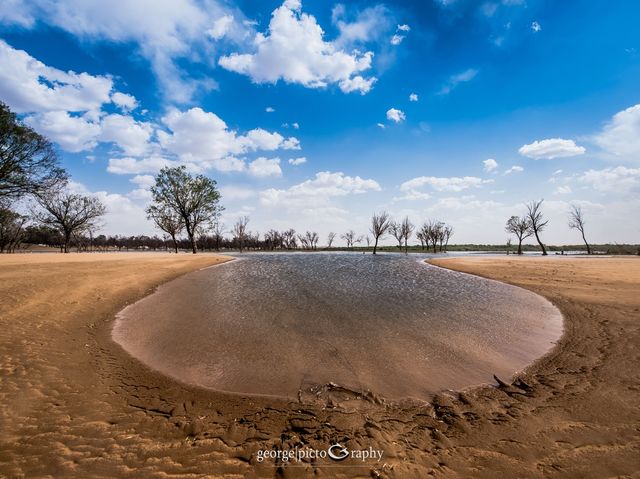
x: 73, y: 404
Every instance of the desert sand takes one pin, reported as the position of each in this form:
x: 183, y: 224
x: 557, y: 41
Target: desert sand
x: 74, y: 404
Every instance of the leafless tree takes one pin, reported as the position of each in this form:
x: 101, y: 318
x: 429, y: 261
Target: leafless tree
x: 313, y: 238
x: 395, y: 229
x: 71, y: 214
x: 218, y: 234
x: 379, y: 226
x: 406, y: 228
x: 289, y: 239
x: 330, y: 237
x: 521, y: 227
x: 167, y: 220
x: 538, y: 223
x: 350, y: 238
x: 508, y: 245
x: 448, y: 233
x: 240, y: 231
x: 368, y: 240
x: 420, y: 236
x: 576, y: 221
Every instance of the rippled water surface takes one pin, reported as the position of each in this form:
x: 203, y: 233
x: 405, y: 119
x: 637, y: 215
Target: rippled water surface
x: 275, y: 323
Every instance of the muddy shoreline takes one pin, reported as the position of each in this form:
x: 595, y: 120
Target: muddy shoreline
x: 74, y: 404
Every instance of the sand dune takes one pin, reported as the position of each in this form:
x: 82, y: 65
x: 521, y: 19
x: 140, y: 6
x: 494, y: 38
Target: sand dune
x: 73, y: 404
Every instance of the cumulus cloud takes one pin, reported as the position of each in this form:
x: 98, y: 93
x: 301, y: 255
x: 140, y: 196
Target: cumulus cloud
x: 124, y: 101
x: 197, y: 136
x: 133, y: 166
x: 489, y: 165
x: 220, y: 27
x: 514, y: 169
x: 28, y: 85
x: 369, y: 24
x: 535, y: 26
x: 325, y: 185
x: 620, y: 137
x: 294, y: 50
x: 269, y: 109
x: 395, y: 115
x: 263, y: 167
x: 130, y: 135
x: 164, y: 31
x: 455, y: 80
x: 413, y: 97
x: 72, y: 133
x: 453, y: 183
x: 297, y: 161
x: 612, y: 180
x: 551, y: 148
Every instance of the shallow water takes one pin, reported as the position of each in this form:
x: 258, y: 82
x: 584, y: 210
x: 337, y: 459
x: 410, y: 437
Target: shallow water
x: 276, y: 323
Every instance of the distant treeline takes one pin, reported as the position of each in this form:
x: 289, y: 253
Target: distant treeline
x: 49, y: 237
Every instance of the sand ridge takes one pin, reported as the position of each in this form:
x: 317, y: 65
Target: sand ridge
x: 73, y: 404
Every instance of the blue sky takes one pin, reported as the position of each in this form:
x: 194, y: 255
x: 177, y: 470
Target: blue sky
x: 449, y: 109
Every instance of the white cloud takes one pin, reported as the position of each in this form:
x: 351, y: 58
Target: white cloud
x: 163, y: 31
x: 404, y: 28
x: 395, y: 115
x: 130, y: 135
x: 412, y: 195
x: 444, y: 183
x: 612, y: 180
x: 220, y: 27
x: 293, y: 50
x: 535, y: 26
x: 124, y: 101
x: 396, y: 39
x: 295, y: 125
x: 381, y: 125
x: 203, y: 138
x: 72, y: 133
x: 563, y: 190
x: 297, y: 161
x: 413, y: 97
x: 269, y: 109
x: 29, y: 86
x: 455, y: 80
x: 489, y: 165
x: 514, y: 169
x: 262, y: 167
x: 233, y: 192
x: 132, y: 166
x: 620, y: 137
x: 370, y: 24
x: 551, y: 148
x: 143, y: 181
x: 325, y: 185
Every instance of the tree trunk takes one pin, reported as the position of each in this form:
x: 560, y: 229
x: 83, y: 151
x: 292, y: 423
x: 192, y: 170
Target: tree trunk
x: 544, y: 250
x: 585, y: 242
x: 519, y: 246
x: 67, y: 241
x: 175, y: 243
x: 375, y: 246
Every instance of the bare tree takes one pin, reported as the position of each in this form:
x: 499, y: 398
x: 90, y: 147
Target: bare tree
x: 330, y: 237
x: 194, y: 198
x: 349, y: 237
x: 218, y: 234
x: 521, y: 227
x: 71, y: 214
x: 447, y: 233
x: 395, y: 229
x: 420, y: 236
x: 312, y: 239
x: 508, y: 246
x: 379, y: 227
x: 240, y: 231
x: 406, y: 228
x: 289, y: 238
x: 538, y: 223
x: 368, y: 240
x: 167, y: 220
x: 576, y: 221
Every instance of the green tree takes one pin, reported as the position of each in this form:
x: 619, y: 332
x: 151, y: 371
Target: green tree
x: 28, y: 161
x: 195, y: 199
x: 167, y: 220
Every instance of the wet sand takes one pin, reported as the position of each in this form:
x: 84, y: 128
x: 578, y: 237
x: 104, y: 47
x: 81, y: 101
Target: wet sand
x: 74, y: 404
x: 276, y: 324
